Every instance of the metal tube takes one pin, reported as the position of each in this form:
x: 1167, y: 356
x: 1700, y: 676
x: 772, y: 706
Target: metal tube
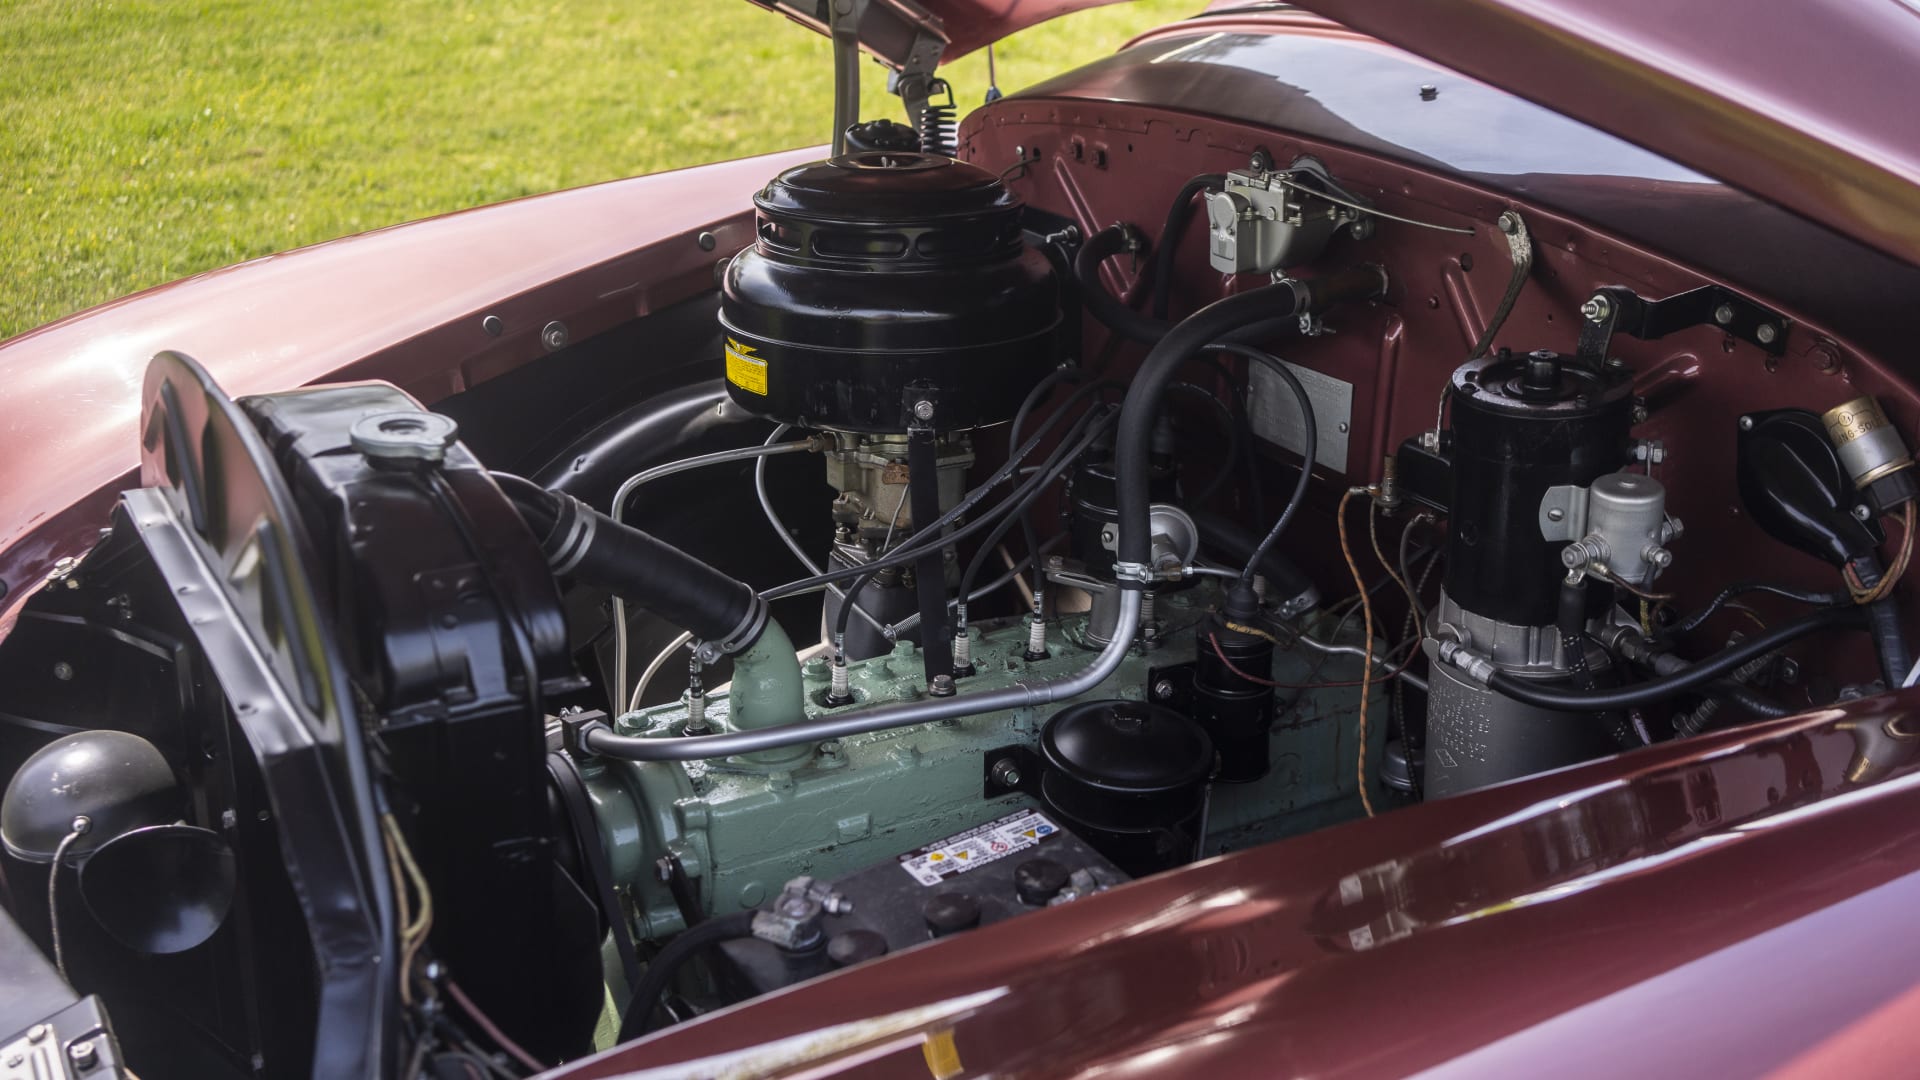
x: 844, y: 25
x: 601, y: 739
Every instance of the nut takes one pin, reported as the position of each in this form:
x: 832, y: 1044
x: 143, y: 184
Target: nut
x: 923, y: 410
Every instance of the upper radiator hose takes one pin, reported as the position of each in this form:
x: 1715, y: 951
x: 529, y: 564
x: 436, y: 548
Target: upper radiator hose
x: 723, y: 613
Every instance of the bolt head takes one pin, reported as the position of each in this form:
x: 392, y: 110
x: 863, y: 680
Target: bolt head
x: 1639, y: 414
x: 83, y: 1054
x: 1573, y: 556
x: 706, y: 241
x: 1723, y: 314
x: 38, y: 1033
x: 63, y: 671
x: 554, y: 335
x: 493, y: 326
x: 1766, y: 333
x: 1428, y: 92
x: 1746, y: 423
x: 923, y: 410
x: 1596, y: 309
x: 1509, y: 222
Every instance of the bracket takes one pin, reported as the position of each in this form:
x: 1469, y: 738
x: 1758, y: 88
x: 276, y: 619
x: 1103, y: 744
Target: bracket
x: 1616, y: 308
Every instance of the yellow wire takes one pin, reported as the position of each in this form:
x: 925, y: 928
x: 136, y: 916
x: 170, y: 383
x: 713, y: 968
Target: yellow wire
x: 413, y: 933
x: 1366, y: 662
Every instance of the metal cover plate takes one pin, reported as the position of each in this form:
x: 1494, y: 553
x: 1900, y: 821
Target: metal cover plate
x: 1276, y: 417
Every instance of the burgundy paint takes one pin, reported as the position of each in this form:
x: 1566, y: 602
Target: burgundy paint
x: 1803, y: 103
x: 403, y: 304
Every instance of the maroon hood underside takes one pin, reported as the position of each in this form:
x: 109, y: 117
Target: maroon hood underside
x: 1804, y: 104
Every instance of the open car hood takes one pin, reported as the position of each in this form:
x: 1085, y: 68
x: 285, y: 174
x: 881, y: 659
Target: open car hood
x: 889, y: 28
x: 1807, y: 105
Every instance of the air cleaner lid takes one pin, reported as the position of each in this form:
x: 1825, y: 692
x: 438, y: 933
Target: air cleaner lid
x: 885, y: 186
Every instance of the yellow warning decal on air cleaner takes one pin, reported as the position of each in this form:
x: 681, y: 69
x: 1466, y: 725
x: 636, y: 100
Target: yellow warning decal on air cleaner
x: 745, y: 370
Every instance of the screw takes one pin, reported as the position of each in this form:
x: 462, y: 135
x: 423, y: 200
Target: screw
x: 923, y: 410
x: 1428, y: 92
x: 1766, y: 333
x: 38, y: 1033
x: 83, y: 1054
x: 63, y: 671
x: 705, y: 240
x: 493, y: 325
x: 1556, y: 514
x: 1163, y: 689
x: 1343, y: 427
x: 1006, y: 773
x: 1723, y: 314
x: 1597, y: 308
x: 1862, y: 513
x: 1746, y: 423
x: 554, y: 335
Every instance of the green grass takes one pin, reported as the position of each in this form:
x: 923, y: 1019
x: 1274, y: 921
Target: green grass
x: 144, y: 141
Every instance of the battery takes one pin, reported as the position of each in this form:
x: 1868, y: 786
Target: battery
x: 1014, y: 864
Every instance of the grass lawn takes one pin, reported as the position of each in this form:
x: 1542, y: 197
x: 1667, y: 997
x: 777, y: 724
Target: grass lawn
x: 143, y: 141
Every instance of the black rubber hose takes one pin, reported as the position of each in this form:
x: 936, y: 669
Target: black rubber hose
x: 1134, y: 440
x: 1105, y: 306
x: 586, y: 544
x: 1178, y: 215
x: 1310, y: 441
x: 1750, y: 699
x: 1699, y: 674
x: 1738, y: 588
x: 668, y: 962
x: 1204, y: 327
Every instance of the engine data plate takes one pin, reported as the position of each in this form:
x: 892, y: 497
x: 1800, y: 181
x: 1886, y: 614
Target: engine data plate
x: 1275, y: 415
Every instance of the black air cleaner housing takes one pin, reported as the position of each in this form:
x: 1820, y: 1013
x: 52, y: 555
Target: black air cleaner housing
x: 880, y: 279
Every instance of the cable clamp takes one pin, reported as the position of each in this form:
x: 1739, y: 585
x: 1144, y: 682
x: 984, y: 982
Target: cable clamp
x: 576, y: 527
x: 744, y: 634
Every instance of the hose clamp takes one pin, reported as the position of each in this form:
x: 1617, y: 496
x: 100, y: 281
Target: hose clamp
x: 575, y: 529
x: 743, y: 635
x: 1133, y: 573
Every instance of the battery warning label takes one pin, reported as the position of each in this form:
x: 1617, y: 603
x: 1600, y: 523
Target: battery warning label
x: 977, y: 846
x: 745, y: 370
